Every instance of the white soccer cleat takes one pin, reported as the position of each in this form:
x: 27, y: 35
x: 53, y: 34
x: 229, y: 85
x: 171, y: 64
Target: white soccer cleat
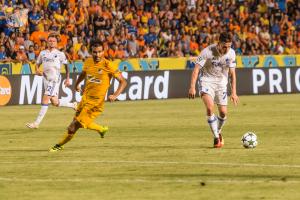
x: 75, y: 104
x: 32, y: 125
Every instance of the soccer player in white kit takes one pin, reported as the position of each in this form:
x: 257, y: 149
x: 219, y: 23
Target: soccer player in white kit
x: 212, y: 67
x: 51, y: 59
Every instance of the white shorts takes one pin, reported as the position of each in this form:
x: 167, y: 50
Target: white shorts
x: 217, y: 92
x: 51, y: 87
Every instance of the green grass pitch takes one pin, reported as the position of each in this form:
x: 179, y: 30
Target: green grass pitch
x: 156, y: 149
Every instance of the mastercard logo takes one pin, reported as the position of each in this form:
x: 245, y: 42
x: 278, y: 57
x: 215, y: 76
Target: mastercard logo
x: 5, y: 90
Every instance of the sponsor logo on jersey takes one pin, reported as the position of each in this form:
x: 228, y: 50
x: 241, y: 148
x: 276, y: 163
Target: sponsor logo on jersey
x: 48, y: 59
x: 199, y: 59
x: 5, y: 90
x: 227, y: 61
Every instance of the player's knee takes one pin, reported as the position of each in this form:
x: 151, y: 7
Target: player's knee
x: 55, y: 104
x: 209, y: 111
x: 73, y: 127
x: 223, y: 114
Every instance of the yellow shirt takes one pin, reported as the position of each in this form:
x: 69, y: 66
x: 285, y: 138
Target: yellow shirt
x: 77, y: 47
x: 98, y: 76
x: 59, y: 18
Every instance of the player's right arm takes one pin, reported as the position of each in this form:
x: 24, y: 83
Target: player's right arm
x: 122, y: 86
x: 80, y: 78
x: 192, y: 90
x: 38, y: 64
x: 199, y: 63
x: 116, y: 73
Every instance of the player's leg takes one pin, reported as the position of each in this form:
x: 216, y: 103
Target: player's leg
x: 96, y: 127
x: 221, y: 121
x: 221, y: 100
x: 90, y: 111
x: 63, y: 103
x: 42, y: 113
x: 72, y: 128
x: 60, y: 102
x: 222, y: 116
x: 211, y: 118
x: 49, y: 87
x: 208, y: 96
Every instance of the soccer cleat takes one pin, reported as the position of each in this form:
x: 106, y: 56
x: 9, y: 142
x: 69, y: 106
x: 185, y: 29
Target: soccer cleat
x: 32, y: 125
x: 75, y: 105
x: 56, y: 148
x: 221, y: 139
x: 103, y: 131
x: 217, y: 143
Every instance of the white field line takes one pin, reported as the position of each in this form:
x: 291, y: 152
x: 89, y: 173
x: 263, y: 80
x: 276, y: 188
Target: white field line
x: 80, y: 180
x: 153, y: 163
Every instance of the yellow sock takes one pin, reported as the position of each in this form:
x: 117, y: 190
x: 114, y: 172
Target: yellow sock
x: 66, y: 138
x: 96, y: 127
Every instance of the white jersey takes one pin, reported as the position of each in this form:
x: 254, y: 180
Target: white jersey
x: 52, y: 61
x: 214, y: 68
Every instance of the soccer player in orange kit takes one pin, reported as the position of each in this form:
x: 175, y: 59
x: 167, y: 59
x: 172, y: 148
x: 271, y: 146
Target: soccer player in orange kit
x: 97, y: 72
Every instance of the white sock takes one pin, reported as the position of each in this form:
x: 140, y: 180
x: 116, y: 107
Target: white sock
x: 42, y: 113
x: 63, y: 103
x: 213, y: 124
x: 221, y: 122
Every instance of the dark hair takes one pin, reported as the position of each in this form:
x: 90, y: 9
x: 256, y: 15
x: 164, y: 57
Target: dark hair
x: 225, y: 37
x: 53, y: 35
x: 96, y: 43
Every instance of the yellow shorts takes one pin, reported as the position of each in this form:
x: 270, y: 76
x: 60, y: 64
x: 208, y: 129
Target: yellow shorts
x: 88, y: 109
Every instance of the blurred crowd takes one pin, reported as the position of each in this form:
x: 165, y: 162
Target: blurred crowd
x: 147, y: 28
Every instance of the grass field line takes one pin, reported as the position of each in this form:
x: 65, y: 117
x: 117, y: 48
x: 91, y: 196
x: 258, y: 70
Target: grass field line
x: 154, y: 163
x: 139, y: 180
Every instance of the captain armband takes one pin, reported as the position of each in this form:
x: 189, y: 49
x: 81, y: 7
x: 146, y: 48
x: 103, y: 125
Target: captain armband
x: 200, y: 61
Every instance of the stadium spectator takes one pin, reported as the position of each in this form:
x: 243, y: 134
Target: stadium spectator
x: 31, y: 54
x: 3, y: 55
x: 173, y: 27
x: 72, y: 55
x: 34, y: 18
x: 132, y: 46
x: 83, y: 53
x: 151, y: 51
x: 20, y: 55
x: 36, y: 49
x: 27, y: 41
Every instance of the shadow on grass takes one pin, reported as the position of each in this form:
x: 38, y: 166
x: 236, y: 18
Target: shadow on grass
x: 155, y: 147
x: 23, y: 150
x: 228, y: 176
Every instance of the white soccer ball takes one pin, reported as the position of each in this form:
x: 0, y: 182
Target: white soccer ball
x: 249, y: 140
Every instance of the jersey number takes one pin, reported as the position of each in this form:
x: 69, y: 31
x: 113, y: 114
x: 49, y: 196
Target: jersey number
x: 93, y: 79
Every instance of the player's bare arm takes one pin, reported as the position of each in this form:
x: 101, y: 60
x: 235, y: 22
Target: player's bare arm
x: 192, y: 90
x: 67, y: 81
x: 233, y: 97
x: 122, y: 86
x: 37, y: 70
x: 80, y: 78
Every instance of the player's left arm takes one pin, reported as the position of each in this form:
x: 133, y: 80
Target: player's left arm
x: 65, y: 63
x: 232, y: 65
x: 122, y: 86
x: 38, y: 65
x: 80, y: 78
x: 233, y: 97
x: 67, y: 81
